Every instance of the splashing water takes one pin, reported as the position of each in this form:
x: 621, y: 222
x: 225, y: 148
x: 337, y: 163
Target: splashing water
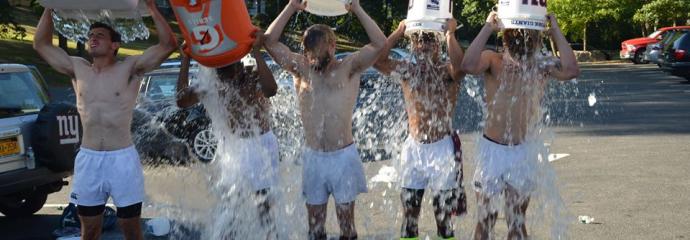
x: 74, y: 23
x: 214, y: 201
x: 592, y: 99
x: 523, y: 107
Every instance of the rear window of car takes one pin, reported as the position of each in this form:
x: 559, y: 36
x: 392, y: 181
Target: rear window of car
x: 674, y: 43
x: 20, y: 94
x: 683, y: 41
x: 671, y: 40
x: 161, y: 86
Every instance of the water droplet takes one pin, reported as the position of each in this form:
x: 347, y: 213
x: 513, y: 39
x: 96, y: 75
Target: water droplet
x: 471, y: 92
x: 592, y: 99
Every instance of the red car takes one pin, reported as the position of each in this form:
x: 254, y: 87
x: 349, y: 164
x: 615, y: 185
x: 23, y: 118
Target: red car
x: 633, y: 49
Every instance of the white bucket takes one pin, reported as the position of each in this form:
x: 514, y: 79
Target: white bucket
x: 428, y: 15
x: 522, y: 14
x: 72, y: 18
x: 329, y: 8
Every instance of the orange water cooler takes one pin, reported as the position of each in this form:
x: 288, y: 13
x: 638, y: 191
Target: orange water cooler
x: 217, y: 32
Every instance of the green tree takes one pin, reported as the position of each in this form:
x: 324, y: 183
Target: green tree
x: 657, y: 12
x: 9, y: 28
x: 576, y: 16
x: 474, y: 12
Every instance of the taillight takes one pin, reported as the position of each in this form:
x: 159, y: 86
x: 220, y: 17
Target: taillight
x: 679, y: 54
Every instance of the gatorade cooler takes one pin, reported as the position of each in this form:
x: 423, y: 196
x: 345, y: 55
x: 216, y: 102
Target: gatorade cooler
x: 522, y: 14
x: 428, y: 15
x: 329, y: 8
x: 218, y: 32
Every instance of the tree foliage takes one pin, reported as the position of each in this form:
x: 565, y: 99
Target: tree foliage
x: 474, y: 12
x: 656, y: 12
x: 9, y: 28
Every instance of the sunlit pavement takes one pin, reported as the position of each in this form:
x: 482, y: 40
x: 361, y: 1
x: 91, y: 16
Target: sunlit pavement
x: 623, y: 161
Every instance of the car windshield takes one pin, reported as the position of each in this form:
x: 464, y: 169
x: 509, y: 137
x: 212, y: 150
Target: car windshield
x: 20, y: 94
x: 654, y: 34
x: 161, y: 86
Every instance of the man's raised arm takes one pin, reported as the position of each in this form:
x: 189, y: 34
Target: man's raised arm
x: 155, y: 55
x: 454, y: 52
x: 384, y: 64
x: 477, y: 60
x: 366, y: 56
x: 568, y: 68
x: 186, y: 97
x: 43, y: 44
x: 266, y: 80
x: 282, y: 54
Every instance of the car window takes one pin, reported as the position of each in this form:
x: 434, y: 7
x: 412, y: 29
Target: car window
x: 20, y: 94
x: 668, y: 36
x: 683, y: 41
x: 161, y: 86
x: 41, y: 83
x: 341, y: 56
x: 672, y: 40
x: 654, y: 34
x: 395, y: 55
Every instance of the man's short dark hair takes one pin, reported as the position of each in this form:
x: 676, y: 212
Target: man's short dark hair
x: 114, y: 35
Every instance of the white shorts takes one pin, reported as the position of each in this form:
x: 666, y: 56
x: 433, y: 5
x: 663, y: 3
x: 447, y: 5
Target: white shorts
x: 429, y: 165
x: 101, y: 174
x: 258, y: 159
x: 500, y: 166
x: 339, y: 173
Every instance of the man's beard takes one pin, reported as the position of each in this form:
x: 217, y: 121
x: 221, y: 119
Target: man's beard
x: 321, y: 64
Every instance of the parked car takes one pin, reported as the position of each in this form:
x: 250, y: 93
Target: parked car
x: 653, y: 50
x: 633, y: 49
x: 676, y: 55
x: 157, y: 118
x: 169, y: 123
x: 28, y: 173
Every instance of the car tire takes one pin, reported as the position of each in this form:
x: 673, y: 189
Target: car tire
x: 22, y: 205
x: 639, y: 58
x: 203, y: 144
x: 56, y: 136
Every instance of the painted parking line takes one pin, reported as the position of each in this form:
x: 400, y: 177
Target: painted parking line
x: 557, y: 156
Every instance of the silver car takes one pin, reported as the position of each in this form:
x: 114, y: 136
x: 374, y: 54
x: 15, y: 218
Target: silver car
x: 25, y: 182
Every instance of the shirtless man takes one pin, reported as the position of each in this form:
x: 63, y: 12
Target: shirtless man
x: 327, y: 90
x: 106, y: 88
x: 515, y: 82
x: 245, y: 93
x: 431, y: 90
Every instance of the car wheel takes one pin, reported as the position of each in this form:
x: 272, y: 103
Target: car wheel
x: 203, y: 144
x: 22, y: 205
x: 638, y: 58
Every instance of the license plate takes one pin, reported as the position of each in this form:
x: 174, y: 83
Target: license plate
x: 9, y: 146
